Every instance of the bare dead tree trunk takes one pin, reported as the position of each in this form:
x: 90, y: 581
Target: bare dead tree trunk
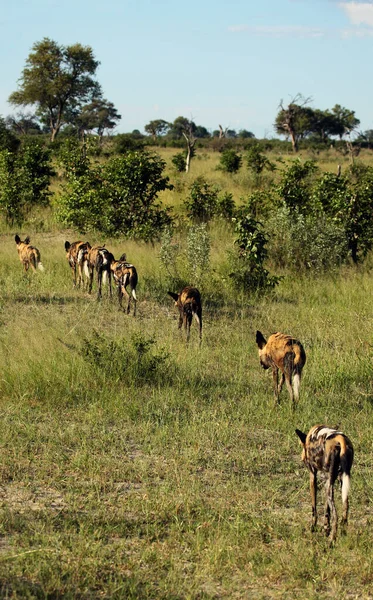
x: 222, y: 132
x: 190, y: 140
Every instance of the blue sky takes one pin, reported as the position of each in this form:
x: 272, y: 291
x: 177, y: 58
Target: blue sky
x: 227, y: 62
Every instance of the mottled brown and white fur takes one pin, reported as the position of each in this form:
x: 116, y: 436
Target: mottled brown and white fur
x: 282, y: 352
x: 28, y: 255
x: 125, y: 274
x: 329, y: 451
x: 189, y: 304
x: 77, y: 256
x: 99, y: 259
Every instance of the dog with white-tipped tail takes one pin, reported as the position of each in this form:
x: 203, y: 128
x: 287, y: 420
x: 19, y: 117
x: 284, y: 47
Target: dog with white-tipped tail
x: 329, y: 451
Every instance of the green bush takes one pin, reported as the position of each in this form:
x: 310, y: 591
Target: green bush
x: 248, y: 261
x: 302, y: 243
x: 202, y: 201
x: 116, y: 198
x: 295, y: 188
x: 179, y: 162
x: 24, y: 181
x: 135, y: 361
x: 230, y: 161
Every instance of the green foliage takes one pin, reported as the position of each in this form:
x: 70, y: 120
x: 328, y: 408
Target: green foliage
x: 230, y: 161
x: 202, y: 201
x: 249, y: 273
x: 127, y: 142
x: 226, y: 207
x: 179, y: 161
x: 305, y: 242
x: 135, y: 361
x: 256, y: 161
x: 349, y: 201
x: 57, y: 79
x: 116, y: 198
x: 169, y: 253
x: 24, y: 181
x: 295, y: 187
x: 8, y: 141
x: 198, y: 252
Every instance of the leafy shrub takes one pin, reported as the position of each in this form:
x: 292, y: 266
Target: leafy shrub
x: 198, y: 252
x: 226, y: 206
x: 349, y: 201
x: 256, y: 161
x: 126, y: 142
x: 230, y: 161
x: 295, y: 188
x: 202, y: 201
x: 303, y: 242
x: 24, y: 181
x: 249, y: 272
x: 179, y: 161
x: 116, y: 198
x: 135, y: 361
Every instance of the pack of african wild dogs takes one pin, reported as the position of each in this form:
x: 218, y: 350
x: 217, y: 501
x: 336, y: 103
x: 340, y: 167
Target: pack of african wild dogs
x: 324, y: 449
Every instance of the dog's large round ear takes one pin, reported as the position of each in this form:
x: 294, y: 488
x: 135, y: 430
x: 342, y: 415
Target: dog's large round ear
x: 67, y: 246
x: 17, y: 238
x: 173, y: 295
x: 302, y: 436
x: 260, y: 339
x: 27, y: 240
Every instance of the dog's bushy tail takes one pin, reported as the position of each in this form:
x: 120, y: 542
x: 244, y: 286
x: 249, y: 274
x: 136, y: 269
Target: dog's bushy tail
x: 296, y: 384
x: 41, y: 267
x: 346, y: 458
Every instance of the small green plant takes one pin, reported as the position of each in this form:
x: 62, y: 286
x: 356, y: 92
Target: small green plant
x: 198, y: 252
x: 169, y: 253
x: 230, y: 161
x: 202, y: 201
x: 249, y: 272
x: 179, y: 162
x: 256, y: 161
x: 226, y: 206
x: 116, y: 360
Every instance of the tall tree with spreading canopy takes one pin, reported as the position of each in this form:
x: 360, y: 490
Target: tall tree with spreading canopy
x: 57, y: 78
x: 295, y: 120
x: 157, y: 127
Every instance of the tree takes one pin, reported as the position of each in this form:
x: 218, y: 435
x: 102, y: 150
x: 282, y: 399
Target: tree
x: 344, y: 121
x: 99, y: 115
x: 294, y: 121
x: 23, y: 124
x: 157, y: 127
x: 57, y: 78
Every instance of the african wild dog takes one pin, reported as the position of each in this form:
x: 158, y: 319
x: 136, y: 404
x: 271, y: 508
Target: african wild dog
x: 282, y: 352
x: 329, y: 451
x: 77, y: 254
x: 189, y: 303
x: 99, y: 258
x: 125, y: 274
x: 28, y: 255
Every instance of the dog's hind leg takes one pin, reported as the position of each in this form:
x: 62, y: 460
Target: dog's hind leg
x: 275, y: 383
x: 313, y: 491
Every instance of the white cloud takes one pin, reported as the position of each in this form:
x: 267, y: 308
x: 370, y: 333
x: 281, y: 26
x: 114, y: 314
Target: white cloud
x: 359, y: 13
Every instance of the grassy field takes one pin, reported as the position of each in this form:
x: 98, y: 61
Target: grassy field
x: 133, y: 466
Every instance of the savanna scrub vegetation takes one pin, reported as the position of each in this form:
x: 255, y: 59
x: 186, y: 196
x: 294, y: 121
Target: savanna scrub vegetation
x: 133, y: 465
